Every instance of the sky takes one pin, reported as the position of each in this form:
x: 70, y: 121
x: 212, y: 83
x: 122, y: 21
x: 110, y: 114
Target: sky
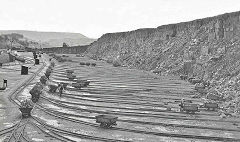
x: 94, y: 18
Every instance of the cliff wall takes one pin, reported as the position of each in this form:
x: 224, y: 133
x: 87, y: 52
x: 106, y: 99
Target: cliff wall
x: 208, y: 49
x: 66, y: 50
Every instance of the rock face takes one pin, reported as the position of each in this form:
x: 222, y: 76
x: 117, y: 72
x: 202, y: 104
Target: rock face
x: 194, y: 47
x: 205, y: 48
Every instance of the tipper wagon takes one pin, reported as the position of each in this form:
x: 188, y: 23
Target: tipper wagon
x: 106, y: 121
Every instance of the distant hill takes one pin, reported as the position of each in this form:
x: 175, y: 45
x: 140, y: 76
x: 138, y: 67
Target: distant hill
x: 53, y: 39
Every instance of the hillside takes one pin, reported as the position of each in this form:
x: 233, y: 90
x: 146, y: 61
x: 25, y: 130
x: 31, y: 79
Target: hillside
x: 16, y: 41
x: 208, y: 49
x: 53, y: 39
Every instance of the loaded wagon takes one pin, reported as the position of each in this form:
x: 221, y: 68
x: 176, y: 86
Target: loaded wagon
x: 190, y: 79
x: 214, y: 97
x: 84, y: 83
x: 106, y: 121
x: 69, y: 71
x: 194, y: 81
x: 211, y: 106
x: 183, y: 77
x: 77, y: 85
x: 26, y: 108
x: 52, y: 88
x: 48, y: 72
x: 64, y: 85
x: 93, y: 64
x: 43, y: 79
x: 189, y: 108
x: 35, y: 92
x: 199, y: 86
x: 52, y: 64
x: 82, y: 63
x: 71, y: 76
x: 26, y: 112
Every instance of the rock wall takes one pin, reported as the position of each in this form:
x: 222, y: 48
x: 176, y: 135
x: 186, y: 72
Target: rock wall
x: 208, y: 49
x: 67, y: 50
x: 200, y: 42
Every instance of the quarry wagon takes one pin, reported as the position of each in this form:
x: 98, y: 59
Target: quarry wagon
x: 26, y: 112
x: 194, y: 81
x: 211, y: 106
x: 26, y: 108
x: 189, y: 108
x: 64, y: 85
x: 106, y: 121
x: 82, y: 63
x: 77, y: 85
x: 71, y: 76
x: 69, y: 71
x: 43, y: 79
x: 93, y: 64
x: 84, y: 83
x: 183, y: 77
x: 52, y: 88
x: 36, y: 92
x: 214, y: 97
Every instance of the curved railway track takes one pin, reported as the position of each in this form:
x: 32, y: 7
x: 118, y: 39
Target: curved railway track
x: 59, y: 115
x: 17, y: 130
x: 124, y: 100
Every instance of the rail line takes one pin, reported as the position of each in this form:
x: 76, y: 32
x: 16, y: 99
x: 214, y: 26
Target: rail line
x: 17, y: 131
x: 61, y: 131
x: 58, y: 115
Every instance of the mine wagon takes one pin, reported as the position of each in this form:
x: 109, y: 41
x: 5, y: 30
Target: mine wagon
x: 71, y: 76
x: 43, y: 79
x: 47, y: 75
x: 52, y: 88
x: 35, y: 92
x: 69, y: 71
x: 189, y: 108
x: 183, y: 77
x: 190, y: 79
x: 48, y: 71
x: 106, y: 121
x: 93, y: 64
x: 82, y: 63
x: 214, y: 97
x: 26, y: 108
x: 77, y: 85
x: 199, y: 86
x: 52, y: 64
x: 26, y: 112
x: 211, y: 106
x: 194, y: 81
x: 35, y: 99
x: 64, y: 85
x: 84, y: 83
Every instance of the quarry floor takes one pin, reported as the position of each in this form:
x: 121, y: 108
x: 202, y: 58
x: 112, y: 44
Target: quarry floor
x: 140, y: 99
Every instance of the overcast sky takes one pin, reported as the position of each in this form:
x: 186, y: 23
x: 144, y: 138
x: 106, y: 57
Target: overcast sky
x: 96, y: 17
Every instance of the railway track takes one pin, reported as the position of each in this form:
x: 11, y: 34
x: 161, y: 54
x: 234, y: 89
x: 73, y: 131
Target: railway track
x: 78, y: 135
x: 133, y: 114
x: 151, y: 123
x: 59, y: 115
x: 141, y: 111
x: 17, y: 130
